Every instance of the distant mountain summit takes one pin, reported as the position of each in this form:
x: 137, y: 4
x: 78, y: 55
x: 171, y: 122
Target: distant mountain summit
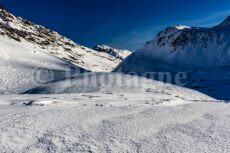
x: 182, y: 44
x: 119, y: 54
x: 202, y: 53
x: 21, y: 30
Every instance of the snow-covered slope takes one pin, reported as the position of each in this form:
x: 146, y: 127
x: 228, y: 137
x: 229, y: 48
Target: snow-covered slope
x: 153, y: 118
x: 112, y: 112
x: 118, y: 54
x: 22, y: 68
x: 202, y: 53
x: 19, y: 29
x: 97, y: 112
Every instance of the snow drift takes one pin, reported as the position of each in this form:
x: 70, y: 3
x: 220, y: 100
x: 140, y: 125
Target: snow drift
x: 114, y: 83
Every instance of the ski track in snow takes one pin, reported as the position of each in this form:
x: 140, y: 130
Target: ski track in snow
x: 112, y: 122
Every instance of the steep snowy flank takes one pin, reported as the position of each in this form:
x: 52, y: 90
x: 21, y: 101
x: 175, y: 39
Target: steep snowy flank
x: 118, y: 54
x: 22, y: 68
x: 19, y: 29
x: 202, y: 53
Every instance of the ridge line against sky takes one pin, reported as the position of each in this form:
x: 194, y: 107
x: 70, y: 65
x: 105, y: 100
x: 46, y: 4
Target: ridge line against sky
x: 118, y: 23
x: 149, y: 32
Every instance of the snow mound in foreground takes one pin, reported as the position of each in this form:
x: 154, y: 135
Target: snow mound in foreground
x: 114, y: 82
x: 98, y: 122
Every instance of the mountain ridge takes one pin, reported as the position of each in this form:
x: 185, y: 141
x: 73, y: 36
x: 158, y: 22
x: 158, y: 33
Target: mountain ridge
x: 203, y: 54
x: 19, y: 29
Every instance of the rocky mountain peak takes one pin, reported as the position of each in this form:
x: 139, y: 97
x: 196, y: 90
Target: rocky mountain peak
x: 191, y: 46
x: 178, y: 37
x: 116, y: 53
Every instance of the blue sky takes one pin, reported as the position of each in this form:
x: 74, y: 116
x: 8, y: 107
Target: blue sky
x: 119, y: 23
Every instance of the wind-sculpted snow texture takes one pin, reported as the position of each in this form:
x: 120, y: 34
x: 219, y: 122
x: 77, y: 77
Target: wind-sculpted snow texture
x: 155, y: 117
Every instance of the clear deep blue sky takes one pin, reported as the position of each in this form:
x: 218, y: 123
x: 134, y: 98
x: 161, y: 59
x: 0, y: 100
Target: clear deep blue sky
x: 119, y: 23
